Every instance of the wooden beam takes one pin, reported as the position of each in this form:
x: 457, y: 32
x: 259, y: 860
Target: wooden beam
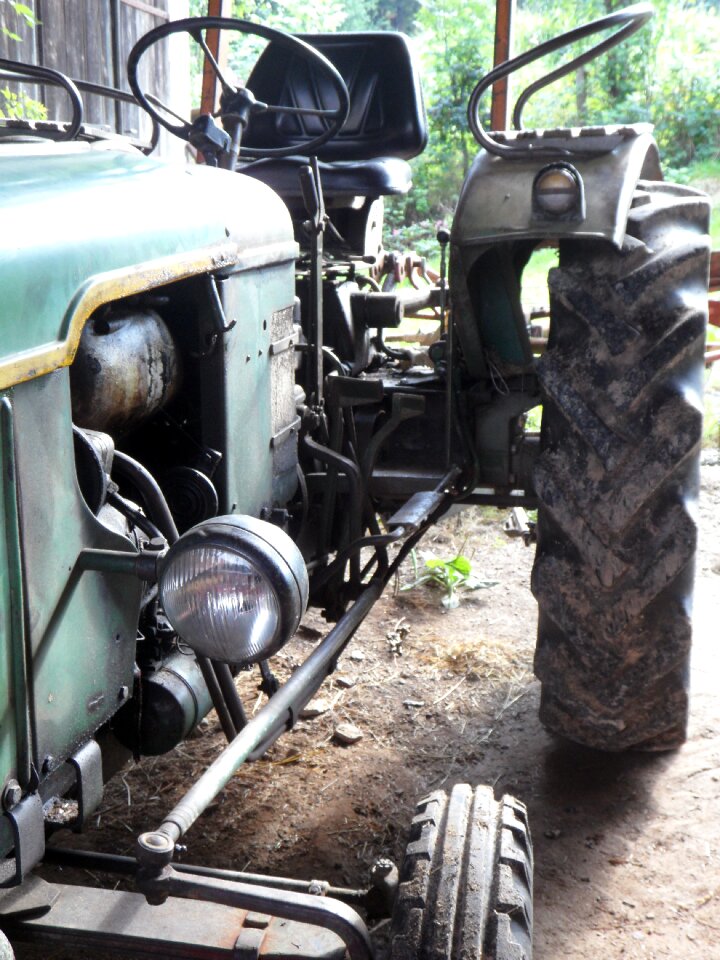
x: 715, y: 270
x: 216, y: 41
x: 504, y: 12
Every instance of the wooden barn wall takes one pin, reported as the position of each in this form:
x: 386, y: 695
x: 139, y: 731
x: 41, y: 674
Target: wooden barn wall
x: 89, y: 40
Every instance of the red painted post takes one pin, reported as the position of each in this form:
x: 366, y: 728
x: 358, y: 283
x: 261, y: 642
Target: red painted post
x: 504, y: 11
x: 216, y: 8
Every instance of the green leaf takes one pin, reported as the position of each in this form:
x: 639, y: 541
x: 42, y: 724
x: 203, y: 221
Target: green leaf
x: 462, y: 565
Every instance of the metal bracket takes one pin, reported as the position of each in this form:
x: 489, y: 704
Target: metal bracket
x: 33, y: 898
x: 28, y: 830
x: 404, y: 407
x: 415, y: 512
x: 249, y: 944
x: 88, y: 769
x: 220, y: 323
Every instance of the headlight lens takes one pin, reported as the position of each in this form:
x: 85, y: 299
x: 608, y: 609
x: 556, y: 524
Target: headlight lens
x: 557, y: 190
x: 234, y: 588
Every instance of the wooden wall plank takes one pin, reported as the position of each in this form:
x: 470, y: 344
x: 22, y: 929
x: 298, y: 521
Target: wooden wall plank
x: 77, y: 39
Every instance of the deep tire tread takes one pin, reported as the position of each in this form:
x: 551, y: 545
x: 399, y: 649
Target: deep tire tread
x: 617, y: 476
x: 466, y: 882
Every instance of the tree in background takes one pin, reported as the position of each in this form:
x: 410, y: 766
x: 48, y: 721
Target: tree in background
x: 666, y: 74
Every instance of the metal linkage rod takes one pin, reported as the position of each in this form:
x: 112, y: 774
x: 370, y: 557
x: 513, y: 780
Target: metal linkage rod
x: 128, y: 867
x: 282, y: 709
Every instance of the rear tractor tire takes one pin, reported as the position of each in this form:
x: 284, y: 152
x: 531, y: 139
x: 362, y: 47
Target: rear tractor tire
x: 466, y: 881
x: 618, y: 475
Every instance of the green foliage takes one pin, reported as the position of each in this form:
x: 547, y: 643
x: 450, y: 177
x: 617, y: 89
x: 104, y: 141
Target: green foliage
x: 454, y: 43
x: 22, y: 13
x: 711, y: 422
x: 16, y: 105
x: 420, y: 237
x: 666, y: 74
x: 450, y: 576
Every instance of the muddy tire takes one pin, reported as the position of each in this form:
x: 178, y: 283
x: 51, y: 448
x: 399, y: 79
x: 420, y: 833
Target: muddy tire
x: 466, y: 881
x: 617, y: 476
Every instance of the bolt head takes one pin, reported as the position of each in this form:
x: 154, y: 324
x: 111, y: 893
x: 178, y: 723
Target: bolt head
x: 12, y: 794
x: 382, y: 867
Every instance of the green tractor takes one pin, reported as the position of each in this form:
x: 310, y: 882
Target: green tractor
x: 202, y: 425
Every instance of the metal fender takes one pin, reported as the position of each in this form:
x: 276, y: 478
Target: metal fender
x: 497, y: 204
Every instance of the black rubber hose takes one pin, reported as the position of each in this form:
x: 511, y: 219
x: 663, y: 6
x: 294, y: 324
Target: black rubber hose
x: 152, y: 496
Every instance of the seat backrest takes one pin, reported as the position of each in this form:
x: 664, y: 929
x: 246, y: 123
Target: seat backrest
x: 387, y: 114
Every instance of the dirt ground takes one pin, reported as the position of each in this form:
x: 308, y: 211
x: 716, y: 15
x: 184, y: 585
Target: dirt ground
x: 627, y: 848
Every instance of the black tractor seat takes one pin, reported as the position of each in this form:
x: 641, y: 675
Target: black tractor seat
x: 386, y: 126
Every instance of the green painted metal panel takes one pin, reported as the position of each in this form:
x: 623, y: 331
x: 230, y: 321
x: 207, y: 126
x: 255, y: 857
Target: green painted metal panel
x: 252, y: 297
x: 72, y: 212
x: 71, y: 215
x: 81, y: 629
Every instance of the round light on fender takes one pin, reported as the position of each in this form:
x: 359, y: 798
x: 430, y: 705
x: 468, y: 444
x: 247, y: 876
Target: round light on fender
x: 556, y: 190
x: 234, y: 588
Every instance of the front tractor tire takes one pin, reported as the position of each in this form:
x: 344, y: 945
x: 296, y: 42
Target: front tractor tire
x: 618, y: 476
x: 466, y: 881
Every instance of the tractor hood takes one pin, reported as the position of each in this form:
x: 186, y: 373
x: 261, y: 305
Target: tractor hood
x: 85, y: 224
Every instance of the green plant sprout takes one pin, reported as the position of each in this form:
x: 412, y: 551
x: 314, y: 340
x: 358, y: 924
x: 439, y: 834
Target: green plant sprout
x: 451, y: 576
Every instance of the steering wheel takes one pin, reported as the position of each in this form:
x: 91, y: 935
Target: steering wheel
x: 237, y: 104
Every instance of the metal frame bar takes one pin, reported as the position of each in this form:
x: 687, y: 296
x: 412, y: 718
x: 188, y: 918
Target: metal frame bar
x: 323, y: 912
x: 128, y: 866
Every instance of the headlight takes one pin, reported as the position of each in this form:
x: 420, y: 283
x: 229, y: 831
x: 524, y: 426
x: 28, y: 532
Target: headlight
x: 234, y: 588
x: 558, y: 192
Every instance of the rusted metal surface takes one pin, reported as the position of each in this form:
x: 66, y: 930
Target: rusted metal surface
x: 712, y: 352
x: 127, y: 366
x: 217, y: 42
x: 186, y: 930
x: 504, y: 12
x: 715, y: 270
x: 323, y: 912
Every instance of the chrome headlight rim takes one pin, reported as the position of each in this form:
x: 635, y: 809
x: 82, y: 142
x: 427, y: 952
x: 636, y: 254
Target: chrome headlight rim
x: 265, y: 548
x: 565, y: 198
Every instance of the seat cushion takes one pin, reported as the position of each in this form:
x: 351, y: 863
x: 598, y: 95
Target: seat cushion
x: 381, y: 177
